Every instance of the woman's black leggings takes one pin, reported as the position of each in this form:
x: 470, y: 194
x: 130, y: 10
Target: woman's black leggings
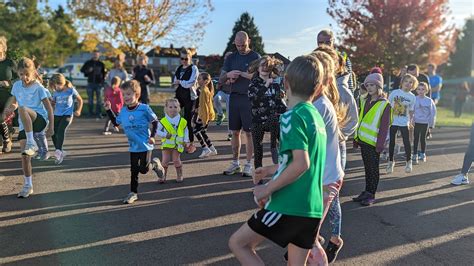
x: 420, y: 136
x: 184, y: 99
x: 406, y: 141
x: 61, y: 123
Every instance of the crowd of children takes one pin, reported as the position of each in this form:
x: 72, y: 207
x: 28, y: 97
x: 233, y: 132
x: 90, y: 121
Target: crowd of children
x: 308, y: 110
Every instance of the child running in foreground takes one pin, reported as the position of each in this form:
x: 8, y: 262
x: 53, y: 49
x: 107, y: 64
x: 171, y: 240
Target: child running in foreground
x: 374, y: 121
x: 424, y: 118
x: 35, y: 112
x: 203, y: 114
x: 115, y: 97
x: 175, y: 138
x: 63, y: 99
x: 135, y: 119
x: 402, y: 102
x: 292, y: 202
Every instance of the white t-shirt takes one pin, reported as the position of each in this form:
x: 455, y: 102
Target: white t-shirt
x: 333, y: 171
x: 402, y: 104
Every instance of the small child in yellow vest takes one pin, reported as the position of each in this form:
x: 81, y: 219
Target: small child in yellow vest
x: 175, y: 138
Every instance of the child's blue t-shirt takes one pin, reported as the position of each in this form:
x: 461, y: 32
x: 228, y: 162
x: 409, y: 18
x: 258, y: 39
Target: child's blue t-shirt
x: 136, y: 125
x: 64, y: 101
x: 31, y: 97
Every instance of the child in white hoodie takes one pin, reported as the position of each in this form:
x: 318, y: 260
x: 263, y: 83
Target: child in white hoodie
x: 424, y: 118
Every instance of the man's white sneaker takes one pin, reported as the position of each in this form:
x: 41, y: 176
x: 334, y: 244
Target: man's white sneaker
x: 409, y: 167
x: 390, y: 166
x: 30, y: 148
x: 25, y: 191
x: 131, y: 198
x: 460, y: 180
x: 157, y: 167
x: 213, y: 151
x: 233, y: 169
x: 247, y: 172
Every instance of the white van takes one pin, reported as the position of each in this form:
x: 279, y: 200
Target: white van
x: 72, y: 72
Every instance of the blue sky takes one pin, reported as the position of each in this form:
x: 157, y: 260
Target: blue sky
x: 288, y: 27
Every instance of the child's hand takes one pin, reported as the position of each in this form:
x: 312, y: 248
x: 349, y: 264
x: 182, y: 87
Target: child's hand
x: 146, y: 78
x: 77, y: 113
x: 50, y: 131
x: 176, y: 82
x: 4, y: 83
x: 261, y: 194
x: 107, y: 105
x: 355, y: 144
x: 269, y: 81
x: 259, y: 174
x: 151, y: 140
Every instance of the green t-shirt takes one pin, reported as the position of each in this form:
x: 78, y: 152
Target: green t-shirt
x: 301, y: 128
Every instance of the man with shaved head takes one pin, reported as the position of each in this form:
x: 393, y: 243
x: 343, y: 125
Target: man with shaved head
x: 240, y: 115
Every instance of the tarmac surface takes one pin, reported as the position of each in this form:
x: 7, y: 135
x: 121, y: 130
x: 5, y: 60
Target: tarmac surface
x: 76, y: 215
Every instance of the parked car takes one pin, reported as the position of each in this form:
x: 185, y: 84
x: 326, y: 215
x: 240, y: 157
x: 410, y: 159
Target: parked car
x: 72, y: 72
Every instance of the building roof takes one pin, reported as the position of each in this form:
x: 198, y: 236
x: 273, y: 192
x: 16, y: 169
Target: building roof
x: 167, y: 52
x: 279, y: 56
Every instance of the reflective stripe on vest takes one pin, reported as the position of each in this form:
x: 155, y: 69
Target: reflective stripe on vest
x: 369, y: 124
x: 177, y: 138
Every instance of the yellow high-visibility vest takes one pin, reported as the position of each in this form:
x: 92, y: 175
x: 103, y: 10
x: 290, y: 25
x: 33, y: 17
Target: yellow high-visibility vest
x: 177, y: 136
x: 369, y: 123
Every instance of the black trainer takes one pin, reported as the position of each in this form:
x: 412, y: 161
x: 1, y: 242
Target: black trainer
x: 362, y: 196
x: 332, y: 250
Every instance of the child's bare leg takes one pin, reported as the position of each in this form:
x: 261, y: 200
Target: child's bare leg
x: 243, y: 243
x: 178, y: 165
x: 25, y: 160
x: 27, y: 117
x: 166, y: 159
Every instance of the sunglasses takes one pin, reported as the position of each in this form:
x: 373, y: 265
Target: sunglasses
x: 184, y: 58
x: 326, y: 42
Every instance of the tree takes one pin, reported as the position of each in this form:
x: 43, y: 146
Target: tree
x: 66, y: 35
x: 460, y: 62
x: 213, y: 64
x: 393, y: 33
x: 47, y: 35
x: 138, y: 25
x: 27, y: 29
x: 245, y: 23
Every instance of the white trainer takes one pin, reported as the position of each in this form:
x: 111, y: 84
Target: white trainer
x: 30, y: 148
x: 409, y: 167
x: 247, y: 172
x: 460, y: 179
x: 390, y: 166
x: 213, y: 151
x: 131, y: 198
x: 25, y: 192
x: 206, y: 152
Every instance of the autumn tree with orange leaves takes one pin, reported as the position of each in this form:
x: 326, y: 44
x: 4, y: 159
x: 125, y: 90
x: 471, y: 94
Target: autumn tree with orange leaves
x: 392, y: 33
x: 138, y: 25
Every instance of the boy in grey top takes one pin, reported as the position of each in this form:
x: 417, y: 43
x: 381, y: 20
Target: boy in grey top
x: 240, y: 115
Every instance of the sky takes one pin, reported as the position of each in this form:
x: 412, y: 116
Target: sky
x: 286, y: 26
